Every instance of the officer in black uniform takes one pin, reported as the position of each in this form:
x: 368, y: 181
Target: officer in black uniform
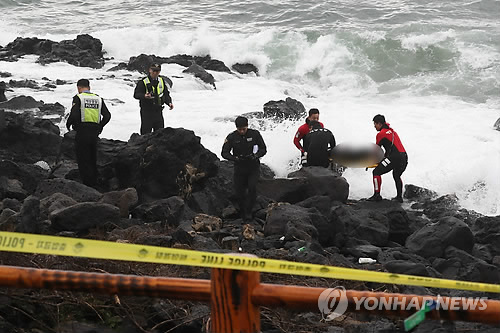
x: 88, y: 116
x: 318, y: 144
x: 247, y: 147
x: 152, y: 93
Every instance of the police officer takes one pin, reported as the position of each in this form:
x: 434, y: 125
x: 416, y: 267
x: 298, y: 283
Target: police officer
x: 244, y: 146
x: 395, y: 158
x: 152, y: 93
x: 88, y: 116
x: 318, y: 144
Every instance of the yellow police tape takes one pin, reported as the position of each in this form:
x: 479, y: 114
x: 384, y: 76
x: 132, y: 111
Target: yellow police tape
x: 76, y: 247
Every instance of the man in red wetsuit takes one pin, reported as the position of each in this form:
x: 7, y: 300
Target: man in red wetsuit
x: 304, y: 129
x: 395, y: 158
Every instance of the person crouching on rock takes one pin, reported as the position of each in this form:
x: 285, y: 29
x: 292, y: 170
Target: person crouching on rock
x: 395, y: 158
x: 302, y: 132
x: 318, y: 144
x: 244, y: 146
x: 88, y: 117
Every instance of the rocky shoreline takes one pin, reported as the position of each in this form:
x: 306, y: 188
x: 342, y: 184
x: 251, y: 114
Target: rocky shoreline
x: 166, y: 189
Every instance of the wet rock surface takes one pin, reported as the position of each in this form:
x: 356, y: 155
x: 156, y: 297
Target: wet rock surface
x: 165, y: 189
x: 83, y: 51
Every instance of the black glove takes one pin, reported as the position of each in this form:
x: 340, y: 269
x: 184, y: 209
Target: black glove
x: 253, y: 157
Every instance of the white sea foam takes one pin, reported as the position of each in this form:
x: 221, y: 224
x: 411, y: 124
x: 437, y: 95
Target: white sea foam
x: 451, y: 145
x: 415, y: 41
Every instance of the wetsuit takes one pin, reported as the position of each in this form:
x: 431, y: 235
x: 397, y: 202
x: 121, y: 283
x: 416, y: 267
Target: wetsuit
x: 151, y: 108
x: 246, y: 151
x: 87, y: 135
x: 318, y: 144
x: 301, y: 132
x: 395, y: 159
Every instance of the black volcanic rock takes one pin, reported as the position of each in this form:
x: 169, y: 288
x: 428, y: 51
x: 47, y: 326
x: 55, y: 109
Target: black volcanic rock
x: 12, y: 188
x: 51, y: 109
x: 322, y: 203
x: 21, y: 103
x: 305, y: 183
x: 168, y: 211
x: 55, y: 202
x: 142, y: 62
x: 200, y: 73
x: 211, y: 64
x: 290, y: 190
x: 23, y: 46
x: 175, y: 175
x: 460, y: 265
x: 72, y: 189
x: 84, y: 51
x: 24, y: 84
x: 39, y: 107
x: 290, y: 221
x: 28, y: 176
x: 165, y: 163
x: 29, y: 216
x: 496, y: 125
x: 487, y: 231
x: 362, y: 224
x: 84, y: 215
x: 3, y: 98
x: 446, y: 205
x: 206, y: 62
x: 245, y: 68
x: 406, y: 267
x: 2, y: 120
x: 434, y: 238
x: 399, y: 225
x: 29, y: 139
x: 284, y: 109
x: 323, y: 181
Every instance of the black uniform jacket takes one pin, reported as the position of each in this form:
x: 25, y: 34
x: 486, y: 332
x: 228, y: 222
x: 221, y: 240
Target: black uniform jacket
x: 74, y: 118
x: 151, y: 104
x: 240, y: 148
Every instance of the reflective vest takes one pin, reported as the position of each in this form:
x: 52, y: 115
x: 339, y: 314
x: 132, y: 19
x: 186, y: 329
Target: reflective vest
x: 160, y: 87
x: 90, y: 108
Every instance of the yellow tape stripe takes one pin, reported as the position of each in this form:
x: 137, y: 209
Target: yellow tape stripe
x: 75, y: 247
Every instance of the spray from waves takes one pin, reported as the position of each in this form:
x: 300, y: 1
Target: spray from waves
x: 354, y: 63
x: 350, y: 75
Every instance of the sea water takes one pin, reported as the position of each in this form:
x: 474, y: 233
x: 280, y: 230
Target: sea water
x: 431, y: 67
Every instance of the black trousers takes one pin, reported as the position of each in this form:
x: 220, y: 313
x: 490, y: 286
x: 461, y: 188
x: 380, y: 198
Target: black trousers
x: 397, y: 163
x: 86, y: 155
x: 151, y: 120
x: 245, y: 186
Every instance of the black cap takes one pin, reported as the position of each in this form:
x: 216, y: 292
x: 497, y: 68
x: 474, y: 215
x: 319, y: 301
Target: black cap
x: 241, y: 122
x: 155, y: 67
